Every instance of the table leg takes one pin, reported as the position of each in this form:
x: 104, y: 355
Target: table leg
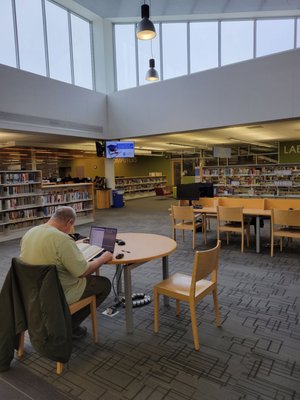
x: 128, y: 299
x: 165, y: 266
x: 257, y: 234
x: 118, y: 280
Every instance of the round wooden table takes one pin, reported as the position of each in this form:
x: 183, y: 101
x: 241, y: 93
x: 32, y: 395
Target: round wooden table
x: 140, y: 248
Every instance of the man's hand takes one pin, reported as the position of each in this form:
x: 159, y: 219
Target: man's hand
x: 97, y: 263
x: 106, y: 257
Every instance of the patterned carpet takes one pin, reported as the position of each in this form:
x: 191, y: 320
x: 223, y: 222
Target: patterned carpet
x: 255, y: 355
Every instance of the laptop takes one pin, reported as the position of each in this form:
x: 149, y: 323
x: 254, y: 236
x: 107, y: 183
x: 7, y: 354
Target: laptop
x: 105, y: 238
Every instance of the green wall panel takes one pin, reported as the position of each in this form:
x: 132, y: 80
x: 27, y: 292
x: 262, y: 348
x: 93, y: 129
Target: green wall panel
x: 142, y: 165
x: 289, y: 152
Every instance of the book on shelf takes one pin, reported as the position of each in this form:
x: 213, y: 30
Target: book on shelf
x: 89, y: 251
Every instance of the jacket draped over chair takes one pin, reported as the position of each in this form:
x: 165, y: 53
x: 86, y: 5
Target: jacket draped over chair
x: 32, y: 299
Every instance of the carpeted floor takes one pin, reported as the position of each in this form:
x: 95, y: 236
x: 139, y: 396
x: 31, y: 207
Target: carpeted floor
x: 255, y: 355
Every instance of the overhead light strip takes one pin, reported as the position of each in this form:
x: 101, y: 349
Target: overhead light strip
x: 181, y: 145
x: 271, y: 146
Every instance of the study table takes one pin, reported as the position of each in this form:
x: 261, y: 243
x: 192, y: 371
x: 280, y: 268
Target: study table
x: 253, y: 212
x: 139, y: 249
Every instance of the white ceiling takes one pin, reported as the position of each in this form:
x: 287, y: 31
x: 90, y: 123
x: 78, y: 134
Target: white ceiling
x: 264, y: 134
x: 114, y: 9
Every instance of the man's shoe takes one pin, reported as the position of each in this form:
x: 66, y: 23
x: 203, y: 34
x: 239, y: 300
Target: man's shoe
x: 79, y: 332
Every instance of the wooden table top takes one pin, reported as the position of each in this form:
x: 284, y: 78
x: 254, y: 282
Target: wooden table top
x: 142, y: 247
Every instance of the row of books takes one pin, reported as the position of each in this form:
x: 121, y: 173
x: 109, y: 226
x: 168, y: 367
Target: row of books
x: 49, y: 210
x: 22, y: 214
x: 63, y: 197
x: 136, y: 187
x: 19, y: 225
x: 231, y: 171
x: 249, y: 171
x: 16, y: 190
x: 136, y: 181
x: 18, y: 202
x: 22, y: 177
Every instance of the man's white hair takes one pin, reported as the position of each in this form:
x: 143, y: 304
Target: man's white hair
x: 64, y: 213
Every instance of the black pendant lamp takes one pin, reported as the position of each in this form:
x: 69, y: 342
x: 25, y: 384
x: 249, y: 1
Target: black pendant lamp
x: 152, y: 74
x: 145, y: 29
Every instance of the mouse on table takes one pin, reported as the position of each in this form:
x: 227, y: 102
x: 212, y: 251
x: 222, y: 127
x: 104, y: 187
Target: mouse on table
x: 120, y: 242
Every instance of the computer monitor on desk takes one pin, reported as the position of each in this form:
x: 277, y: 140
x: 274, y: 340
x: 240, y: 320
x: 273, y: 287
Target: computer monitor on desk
x: 194, y: 191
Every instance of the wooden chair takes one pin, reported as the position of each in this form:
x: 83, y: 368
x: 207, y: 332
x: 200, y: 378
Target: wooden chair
x: 27, y: 273
x: 193, y: 288
x: 183, y: 218
x: 74, y: 307
x: 231, y: 219
x: 284, y: 223
x: 207, y: 202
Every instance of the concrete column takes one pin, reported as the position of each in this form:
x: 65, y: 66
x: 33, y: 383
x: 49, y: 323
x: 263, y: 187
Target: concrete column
x: 110, y: 172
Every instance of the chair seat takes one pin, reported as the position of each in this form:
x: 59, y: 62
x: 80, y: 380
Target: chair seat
x: 289, y: 231
x: 192, y: 289
x: 187, y: 225
x: 211, y: 215
x: 230, y: 227
x: 180, y: 285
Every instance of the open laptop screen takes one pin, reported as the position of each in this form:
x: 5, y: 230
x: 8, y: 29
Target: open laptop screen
x: 103, y: 237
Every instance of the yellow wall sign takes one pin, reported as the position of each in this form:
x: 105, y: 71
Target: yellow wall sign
x: 289, y: 152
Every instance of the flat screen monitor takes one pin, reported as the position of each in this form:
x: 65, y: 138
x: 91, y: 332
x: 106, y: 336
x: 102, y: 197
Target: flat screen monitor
x: 194, y: 191
x: 100, y: 148
x: 116, y: 149
x: 206, y: 190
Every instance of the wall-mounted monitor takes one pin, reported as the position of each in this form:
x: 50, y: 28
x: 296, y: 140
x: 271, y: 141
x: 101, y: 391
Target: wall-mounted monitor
x: 116, y: 149
x: 100, y: 149
x: 194, y: 191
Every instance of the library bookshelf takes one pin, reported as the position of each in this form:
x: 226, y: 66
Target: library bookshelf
x: 80, y: 196
x: 254, y: 180
x: 139, y: 186
x: 25, y: 203
x: 20, y: 202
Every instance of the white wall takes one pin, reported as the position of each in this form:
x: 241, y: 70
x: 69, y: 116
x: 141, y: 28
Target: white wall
x: 264, y: 89
x: 34, y: 103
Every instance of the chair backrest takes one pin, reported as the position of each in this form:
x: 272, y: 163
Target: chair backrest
x: 205, y: 263
x: 206, y: 202
x: 184, y: 213
x: 234, y: 214
x: 240, y: 202
x: 286, y: 217
x: 282, y: 204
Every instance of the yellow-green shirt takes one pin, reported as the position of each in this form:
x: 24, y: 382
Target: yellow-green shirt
x: 45, y: 244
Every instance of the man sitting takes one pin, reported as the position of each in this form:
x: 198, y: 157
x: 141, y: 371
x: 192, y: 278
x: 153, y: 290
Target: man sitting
x: 50, y: 244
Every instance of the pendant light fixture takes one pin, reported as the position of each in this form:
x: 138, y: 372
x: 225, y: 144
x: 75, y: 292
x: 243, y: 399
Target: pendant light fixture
x: 145, y: 29
x: 152, y: 74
